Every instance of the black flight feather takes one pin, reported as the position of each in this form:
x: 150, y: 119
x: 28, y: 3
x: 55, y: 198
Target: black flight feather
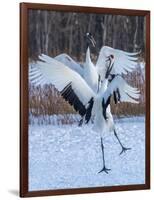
x: 69, y: 95
x: 89, y: 110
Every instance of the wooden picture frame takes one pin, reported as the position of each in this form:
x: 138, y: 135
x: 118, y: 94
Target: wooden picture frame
x: 24, y: 99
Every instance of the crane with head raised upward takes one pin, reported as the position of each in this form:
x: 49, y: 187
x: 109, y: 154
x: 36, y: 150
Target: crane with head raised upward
x: 85, y: 99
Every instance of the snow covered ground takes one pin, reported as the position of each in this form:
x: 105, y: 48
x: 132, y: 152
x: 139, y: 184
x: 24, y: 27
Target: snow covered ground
x: 68, y: 156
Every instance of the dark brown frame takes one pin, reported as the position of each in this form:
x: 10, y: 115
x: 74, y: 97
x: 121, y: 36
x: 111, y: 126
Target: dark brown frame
x: 24, y: 98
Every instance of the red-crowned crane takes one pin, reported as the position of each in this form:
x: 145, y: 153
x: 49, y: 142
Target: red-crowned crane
x: 85, y: 100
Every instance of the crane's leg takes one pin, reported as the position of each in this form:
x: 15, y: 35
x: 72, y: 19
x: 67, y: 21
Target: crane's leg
x: 104, y: 169
x: 124, y: 149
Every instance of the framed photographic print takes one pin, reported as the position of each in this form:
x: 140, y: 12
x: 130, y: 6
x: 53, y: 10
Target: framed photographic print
x: 85, y: 99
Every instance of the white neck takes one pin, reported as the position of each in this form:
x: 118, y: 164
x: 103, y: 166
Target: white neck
x: 90, y: 73
x: 103, y: 87
x: 88, y: 59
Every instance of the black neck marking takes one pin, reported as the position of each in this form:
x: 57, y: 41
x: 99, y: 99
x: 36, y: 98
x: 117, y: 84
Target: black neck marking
x: 105, y: 105
x: 118, y: 94
x: 115, y: 97
x: 99, y: 80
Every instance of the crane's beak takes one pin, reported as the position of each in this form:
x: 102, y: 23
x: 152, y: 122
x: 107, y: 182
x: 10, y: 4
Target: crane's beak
x: 91, y: 39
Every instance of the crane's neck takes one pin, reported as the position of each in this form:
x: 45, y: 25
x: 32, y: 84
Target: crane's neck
x: 90, y: 73
x: 103, y: 87
x: 88, y: 59
x: 89, y: 66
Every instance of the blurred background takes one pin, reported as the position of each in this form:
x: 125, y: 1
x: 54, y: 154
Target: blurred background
x: 53, y: 33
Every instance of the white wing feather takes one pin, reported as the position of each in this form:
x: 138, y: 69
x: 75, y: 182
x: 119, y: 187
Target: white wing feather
x: 68, y: 61
x: 35, y: 76
x: 127, y: 93
x: 58, y: 74
x: 123, y: 61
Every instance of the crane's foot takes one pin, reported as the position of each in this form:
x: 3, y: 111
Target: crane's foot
x: 104, y: 170
x: 124, y: 149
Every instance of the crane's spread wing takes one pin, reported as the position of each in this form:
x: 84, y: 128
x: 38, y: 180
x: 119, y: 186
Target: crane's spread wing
x: 72, y: 64
x: 69, y: 83
x: 121, y: 91
x: 123, y: 61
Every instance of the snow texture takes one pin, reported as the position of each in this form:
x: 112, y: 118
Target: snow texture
x: 68, y: 156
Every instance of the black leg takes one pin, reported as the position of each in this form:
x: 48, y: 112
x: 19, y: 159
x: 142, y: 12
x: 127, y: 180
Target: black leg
x: 104, y: 169
x: 124, y: 149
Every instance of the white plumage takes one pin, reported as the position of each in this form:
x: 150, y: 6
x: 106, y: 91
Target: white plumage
x: 60, y: 76
x: 88, y: 87
x: 68, y: 61
x: 124, y: 62
x: 83, y: 97
x: 127, y: 93
x: 90, y: 74
x: 87, y: 70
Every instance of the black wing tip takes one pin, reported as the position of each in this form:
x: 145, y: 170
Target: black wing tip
x: 89, y: 110
x: 69, y: 95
